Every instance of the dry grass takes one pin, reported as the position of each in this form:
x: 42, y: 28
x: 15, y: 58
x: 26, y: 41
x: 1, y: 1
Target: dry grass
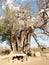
x: 38, y: 50
x: 31, y: 61
x: 38, y: 60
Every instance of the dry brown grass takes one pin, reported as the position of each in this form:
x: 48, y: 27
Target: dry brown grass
x: 38, y: 60
x: 31, y: 61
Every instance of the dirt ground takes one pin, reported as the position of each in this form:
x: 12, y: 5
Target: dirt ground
x: 44, y: 60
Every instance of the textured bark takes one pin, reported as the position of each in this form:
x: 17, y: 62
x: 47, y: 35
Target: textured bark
x: 14, y: 47
x: 13, y: 42
x: 28, y: 33
x: 20, y: 40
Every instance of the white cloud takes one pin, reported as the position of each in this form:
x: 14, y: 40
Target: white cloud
x: 16, y: 8
x: 11, y: 5
x: 3, y: 6
x: 9, y: 1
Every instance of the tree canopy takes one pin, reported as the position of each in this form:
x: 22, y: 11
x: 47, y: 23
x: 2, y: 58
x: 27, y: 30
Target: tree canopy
x: 21, y: 16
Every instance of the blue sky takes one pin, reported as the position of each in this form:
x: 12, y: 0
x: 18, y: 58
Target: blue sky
x: 1, y: 11
x: 33, y: 3
x: 43, y: 39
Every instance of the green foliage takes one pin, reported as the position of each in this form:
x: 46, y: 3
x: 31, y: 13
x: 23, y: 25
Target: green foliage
x: 8, y: 24
x: 29, y: 53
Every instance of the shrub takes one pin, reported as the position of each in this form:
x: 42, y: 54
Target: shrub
x: 29, y: 53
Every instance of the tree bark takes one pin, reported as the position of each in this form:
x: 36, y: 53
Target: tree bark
x: 10, y: 41
x: 13, y: 43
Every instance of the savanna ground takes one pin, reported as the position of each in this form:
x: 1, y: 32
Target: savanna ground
x: 38, y: 60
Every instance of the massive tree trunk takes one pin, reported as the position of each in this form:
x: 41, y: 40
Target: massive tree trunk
x: 13, y: 43
x: 28, y: 33
x: 20, y: 40
x: 14, y: 46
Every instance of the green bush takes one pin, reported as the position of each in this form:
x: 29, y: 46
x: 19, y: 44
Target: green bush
x: 29, y: 53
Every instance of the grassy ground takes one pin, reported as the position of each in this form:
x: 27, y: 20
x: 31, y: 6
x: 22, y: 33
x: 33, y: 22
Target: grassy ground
x: 38, y: 60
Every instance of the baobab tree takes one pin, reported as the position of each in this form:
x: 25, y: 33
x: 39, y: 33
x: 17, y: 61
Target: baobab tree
x: 12, y: 25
